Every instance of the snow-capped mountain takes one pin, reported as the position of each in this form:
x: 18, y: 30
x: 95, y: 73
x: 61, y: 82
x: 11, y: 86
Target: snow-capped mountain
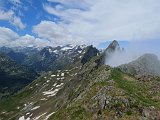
x: 44, y: 59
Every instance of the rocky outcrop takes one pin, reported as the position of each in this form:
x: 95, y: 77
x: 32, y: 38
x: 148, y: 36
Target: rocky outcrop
x: 114, y: 46
x: 110, y: 50
x: 89, y: 54
x: 150, y: 113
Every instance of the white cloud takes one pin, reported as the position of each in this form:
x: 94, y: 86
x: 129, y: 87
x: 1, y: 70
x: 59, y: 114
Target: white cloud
x: 29, y: 41
x: 109, y: 19
x: 7, y: 35
x: 17, y: 22
x: 67, y: 14
x: 12, y: 39
x: 57, y: 34
x: 12, y: 18
x: 6, y: 15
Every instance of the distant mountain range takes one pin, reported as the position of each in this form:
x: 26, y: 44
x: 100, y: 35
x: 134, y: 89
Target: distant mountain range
x: 44, y: 59
x: 20, y: 66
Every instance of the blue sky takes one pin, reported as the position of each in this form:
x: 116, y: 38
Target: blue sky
x: 59, y: 22
x: 31, y: 13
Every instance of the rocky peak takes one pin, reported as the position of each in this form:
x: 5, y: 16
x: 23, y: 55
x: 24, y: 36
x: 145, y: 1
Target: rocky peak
x: 45, y: 52
x: 114, y: 46
x: 90, y: 53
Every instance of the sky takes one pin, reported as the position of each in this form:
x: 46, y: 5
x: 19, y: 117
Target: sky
x: 59, y: 22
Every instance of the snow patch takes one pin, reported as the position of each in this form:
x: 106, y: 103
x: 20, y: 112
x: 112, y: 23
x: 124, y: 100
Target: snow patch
x: 35, y: 108
x: 53, y: 75
x: 55, y: 84
x: 27, y: 113
x: 3, y: 112
x: 48, y: 116
x: 80, y: 51
x: 23, y: 118
x: 62, y: 74
x: 62, y: 78
x: 51, y: 93
x: 60, y: 85
x: 43, y: 99
x: 48, y: 81
x: 66, y: 48
x: 50, y: 50
x: 80, y: 56
x: 37, y: 118
x: 55, y: 51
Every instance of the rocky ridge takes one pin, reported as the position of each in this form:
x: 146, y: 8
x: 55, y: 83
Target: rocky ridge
x: 85, y: 91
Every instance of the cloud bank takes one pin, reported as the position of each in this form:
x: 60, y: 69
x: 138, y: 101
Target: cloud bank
x: 134, y: 50
x: 12, y: 18
x: 100, y: 20
x: 56, y: 34
x: 12, y: 39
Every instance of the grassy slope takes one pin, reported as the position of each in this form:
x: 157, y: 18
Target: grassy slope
x: 86, y: 109
x: 138, y: 91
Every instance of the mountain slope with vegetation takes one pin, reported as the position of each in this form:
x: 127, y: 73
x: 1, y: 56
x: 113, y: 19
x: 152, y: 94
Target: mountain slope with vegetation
x: 13, y: 76
x: 85, y: 91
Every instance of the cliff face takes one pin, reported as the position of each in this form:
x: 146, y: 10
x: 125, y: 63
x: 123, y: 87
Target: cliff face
x: 114, y: 46
x: 110, y: 50
x: 89, y: 54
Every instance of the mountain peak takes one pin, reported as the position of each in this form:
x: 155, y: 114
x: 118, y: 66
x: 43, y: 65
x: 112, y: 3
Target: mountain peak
x: 90, y: 53
x: 113, y: 46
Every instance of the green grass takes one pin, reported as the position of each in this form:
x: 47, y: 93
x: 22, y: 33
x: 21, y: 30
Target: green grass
x: 76, y: 112
x: 11, y: 102
x: 132, y: 89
